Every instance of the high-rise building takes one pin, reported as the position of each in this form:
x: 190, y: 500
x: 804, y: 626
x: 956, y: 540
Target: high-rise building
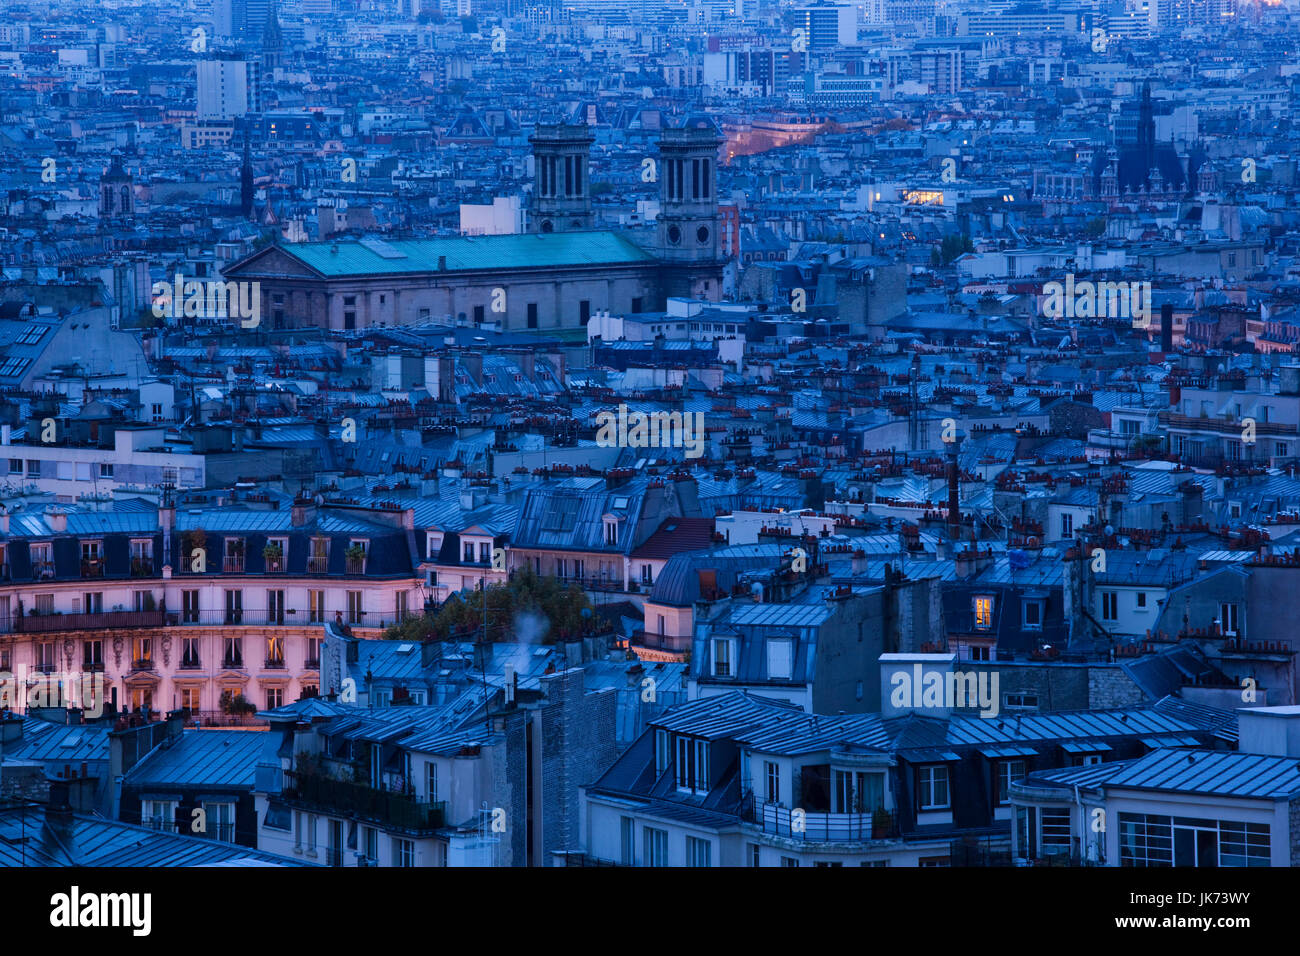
x: 228, y: 86
x: 827, y: 25
x: 242, y: 21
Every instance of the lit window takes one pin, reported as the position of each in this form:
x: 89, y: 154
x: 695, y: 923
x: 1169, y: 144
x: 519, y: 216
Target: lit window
x: 984, y: 612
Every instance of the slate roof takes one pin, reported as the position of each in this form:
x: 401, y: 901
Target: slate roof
x: 30, y: 836
x: 463, y: 254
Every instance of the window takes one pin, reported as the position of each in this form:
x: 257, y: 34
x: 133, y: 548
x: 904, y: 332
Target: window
x: 1033, y: 616
x: 611, y: 533
x: 190, y: 699
x: 33, y: 468
x: 780, y: 658
x: 1067, y: 525
x: 190, y: 607
x: 1054, y: 831
x: 1243, y: 844
x: 857, y: 791
x: 316, y: 607
x: 1020, y: 701
x: 647, y: 572
x: 274, y: 697
x: 403, y: 852
x: 234, y: 607
x: 983, y: 612
x: 275, y: 608
x: 234, y: 656
x: 698, y: 851
x: 532, y: 315
x: 106, y: 469
x: 1109, y: 606
x: 932, y: 787
x: 1145, y: 840
x: 93, y: 651
x: 1141, y: 598
x: 1009, y: 771
x: 755, y: 856
x: 371, y: 837
x: 772, y: 778
x: 723, y: 648
x: 627, y: 841
x: 221, y: 821
x: 1227, y: 622
x: 976, y: 652
x: 158, y: 815
x: 354, y: 607
x: 692, y: 765
x: 663, y: 753
x: 656, y: 847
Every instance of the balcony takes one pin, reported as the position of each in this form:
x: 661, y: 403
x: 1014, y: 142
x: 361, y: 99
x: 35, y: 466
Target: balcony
x: 311, y: 664
x: 822, y: 827
x: 318, y: 564
x: 191, y: 663
x: 48, y: 623
x: 42, y: 570
x: 142, y: 567
x: 275, y: 565
x: 233, y: 661
x: 142, y: 664
x: 375, y: 806
x: 233, y: 564
x: 92, y: 567
x: 355, y: 566
x: 275, y: 663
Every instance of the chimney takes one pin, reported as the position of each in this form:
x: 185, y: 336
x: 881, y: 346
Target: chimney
x: 430, y: 654
x: 859, y: 562
x: 954, y: 502
x: 57, y: 519
x: 302, y: 512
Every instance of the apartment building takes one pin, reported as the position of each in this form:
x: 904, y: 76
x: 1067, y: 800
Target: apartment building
x: 195, y: 607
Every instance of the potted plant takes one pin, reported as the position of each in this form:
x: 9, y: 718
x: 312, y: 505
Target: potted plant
x: 882, y: 823
x: 273, y: 553
x: 356, y: 555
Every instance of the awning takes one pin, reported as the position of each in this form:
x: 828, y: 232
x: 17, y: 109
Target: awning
x: 1008, y: 751
x: 1086, y: 747
x: 930, y: 756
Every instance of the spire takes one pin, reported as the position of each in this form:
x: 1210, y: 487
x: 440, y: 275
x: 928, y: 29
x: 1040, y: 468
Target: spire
x: 272, y: 41
x: 246, y: 179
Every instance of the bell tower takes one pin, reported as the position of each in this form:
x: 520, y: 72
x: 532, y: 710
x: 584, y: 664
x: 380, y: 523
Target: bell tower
x: 688, y: 242
x: 561, y: 184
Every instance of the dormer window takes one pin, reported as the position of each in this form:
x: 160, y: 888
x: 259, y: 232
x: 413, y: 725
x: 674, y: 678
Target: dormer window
x: 611, y: 532
x: 983, y: 608
x: 692, y: 765
x: 780, y: 658
x: 724, y: 657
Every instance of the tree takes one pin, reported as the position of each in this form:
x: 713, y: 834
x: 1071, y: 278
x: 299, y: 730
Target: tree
x: 527, y: 606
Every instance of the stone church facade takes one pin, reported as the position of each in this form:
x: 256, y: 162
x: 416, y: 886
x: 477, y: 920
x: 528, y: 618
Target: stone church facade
x: 554, y: 277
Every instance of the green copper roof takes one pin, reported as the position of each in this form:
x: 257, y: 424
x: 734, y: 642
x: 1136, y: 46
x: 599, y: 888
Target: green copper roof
x: 379, y: 257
